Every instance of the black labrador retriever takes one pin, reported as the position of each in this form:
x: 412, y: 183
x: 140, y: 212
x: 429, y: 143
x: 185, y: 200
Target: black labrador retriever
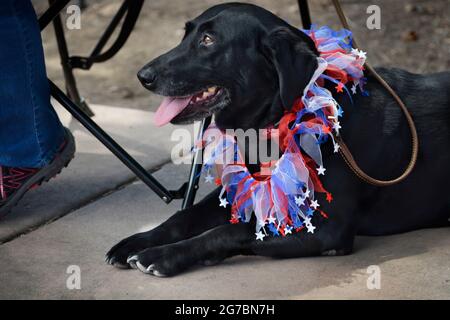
x: 253, y: 64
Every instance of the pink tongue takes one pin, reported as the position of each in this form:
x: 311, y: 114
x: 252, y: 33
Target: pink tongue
x: 169, y: 108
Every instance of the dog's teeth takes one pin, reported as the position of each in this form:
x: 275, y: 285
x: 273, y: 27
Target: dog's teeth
x: 205, y: 94
x: 212, y: 89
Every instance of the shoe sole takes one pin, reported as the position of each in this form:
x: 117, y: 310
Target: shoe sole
x: 44, y: 175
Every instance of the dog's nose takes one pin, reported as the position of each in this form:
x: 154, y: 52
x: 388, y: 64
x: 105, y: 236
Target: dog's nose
x: 147, y: 76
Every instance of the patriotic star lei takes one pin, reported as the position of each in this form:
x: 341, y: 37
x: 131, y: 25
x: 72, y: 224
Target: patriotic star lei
x: 284, y: 200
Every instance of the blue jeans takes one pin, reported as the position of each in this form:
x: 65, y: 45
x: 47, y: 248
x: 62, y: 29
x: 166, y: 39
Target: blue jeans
x: 30, y: 131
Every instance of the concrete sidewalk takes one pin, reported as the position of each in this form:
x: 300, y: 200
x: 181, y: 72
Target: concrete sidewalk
x: 95, y: 204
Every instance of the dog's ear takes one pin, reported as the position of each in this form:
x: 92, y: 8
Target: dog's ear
x: 294, y: 57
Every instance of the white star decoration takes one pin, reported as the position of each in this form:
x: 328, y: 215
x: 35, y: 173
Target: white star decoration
x: 299, y: 201
x: 260, y: 236
x: 314, y: 204
x: 287, y: 230
x: 337, y: 126
x: 354, y: 89
x: 361, y: 54
x: 311, y: 228
x: 336, y: 148
x: 321, y: 170
x: 307, y: 192
x: 223, y: 202
x: 307, y: 220
x: 272, y: 220
x: 209, y: 178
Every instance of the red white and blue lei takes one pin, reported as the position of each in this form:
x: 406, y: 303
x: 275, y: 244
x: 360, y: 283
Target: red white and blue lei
x: 284, y: 200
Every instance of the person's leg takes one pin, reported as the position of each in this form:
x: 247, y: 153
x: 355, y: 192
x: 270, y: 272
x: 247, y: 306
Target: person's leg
x: 30, y: 131
x: 34, y: 146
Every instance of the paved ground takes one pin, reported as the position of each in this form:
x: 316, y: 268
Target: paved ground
x: 90, y: 213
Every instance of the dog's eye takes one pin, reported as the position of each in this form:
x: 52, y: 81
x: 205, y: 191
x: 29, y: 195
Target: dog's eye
x: 207, y: 40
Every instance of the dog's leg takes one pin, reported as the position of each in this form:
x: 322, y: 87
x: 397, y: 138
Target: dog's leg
x: 182, y: 225
x: 234, y: 239
x: 168, y: 260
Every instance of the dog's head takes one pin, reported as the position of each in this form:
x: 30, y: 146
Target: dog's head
x: 237, y: 61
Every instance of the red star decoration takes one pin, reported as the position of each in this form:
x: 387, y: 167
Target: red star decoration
x: 234, y: 220
x: 218, y: 182
x: 326, y: 129
x: 339, y: 87
x: 329, y: 197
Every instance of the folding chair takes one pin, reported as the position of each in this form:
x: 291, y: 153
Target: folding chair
x: 75, y: 104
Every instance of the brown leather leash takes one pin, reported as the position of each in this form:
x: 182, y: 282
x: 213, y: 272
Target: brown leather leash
x: 344, y: 150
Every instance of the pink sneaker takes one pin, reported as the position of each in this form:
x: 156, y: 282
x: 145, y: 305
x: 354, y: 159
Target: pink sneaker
x: 15, y: 182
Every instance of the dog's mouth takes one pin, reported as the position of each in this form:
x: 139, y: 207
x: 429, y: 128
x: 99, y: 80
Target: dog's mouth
x: 186, y: 109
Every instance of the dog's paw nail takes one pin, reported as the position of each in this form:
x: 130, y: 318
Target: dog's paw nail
x: 111, y: 261
x: 152, y: 270
x: 142, y: 268
x: 132, y: 261
x: 132, y: 258
x: 158, y: 274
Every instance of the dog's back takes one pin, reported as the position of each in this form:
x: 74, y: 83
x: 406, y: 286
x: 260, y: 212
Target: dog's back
x: 423, y: 198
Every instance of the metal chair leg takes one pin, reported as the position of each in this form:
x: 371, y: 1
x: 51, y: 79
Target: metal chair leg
x: 71, y: 84
x: 194, y: 175
x: 304, y: 13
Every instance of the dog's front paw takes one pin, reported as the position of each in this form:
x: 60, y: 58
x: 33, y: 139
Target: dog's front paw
x: 162, y: 261
x: 119, y: 254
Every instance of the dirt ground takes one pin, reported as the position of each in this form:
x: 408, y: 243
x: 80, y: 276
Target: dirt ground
x: 414, y: 35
